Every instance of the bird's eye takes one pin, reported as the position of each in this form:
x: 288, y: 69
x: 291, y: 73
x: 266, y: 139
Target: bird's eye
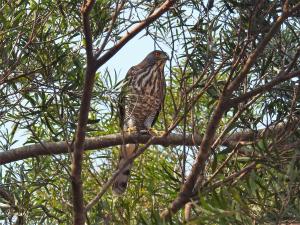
x: 157, y: 54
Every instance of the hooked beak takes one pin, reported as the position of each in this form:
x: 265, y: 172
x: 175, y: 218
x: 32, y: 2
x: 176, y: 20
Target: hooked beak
x: 165, y: 56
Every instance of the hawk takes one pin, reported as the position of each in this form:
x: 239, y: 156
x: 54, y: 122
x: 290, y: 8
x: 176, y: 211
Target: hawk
x: 140, y: 101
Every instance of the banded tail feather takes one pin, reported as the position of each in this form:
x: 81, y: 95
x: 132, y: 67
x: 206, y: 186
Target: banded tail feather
x: 121, y: 182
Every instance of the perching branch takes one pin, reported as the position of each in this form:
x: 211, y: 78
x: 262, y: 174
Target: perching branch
x: 53, y: 148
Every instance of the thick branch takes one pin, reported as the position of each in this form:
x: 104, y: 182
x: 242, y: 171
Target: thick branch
x: 77, y: 191
x: 106, y: 141
x: 52, y: 148
x: 92, y: 66
x: 187, y: 189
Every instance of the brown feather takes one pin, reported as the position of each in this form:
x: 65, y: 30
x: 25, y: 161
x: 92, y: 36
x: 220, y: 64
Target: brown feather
x: 140, y: 102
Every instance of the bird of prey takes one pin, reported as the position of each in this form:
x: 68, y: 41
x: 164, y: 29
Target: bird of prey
x: 140, y: 102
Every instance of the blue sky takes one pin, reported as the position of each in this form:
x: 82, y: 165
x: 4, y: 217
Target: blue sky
x: 131, y: 54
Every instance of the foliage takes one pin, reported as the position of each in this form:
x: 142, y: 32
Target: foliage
x: 42, y: 68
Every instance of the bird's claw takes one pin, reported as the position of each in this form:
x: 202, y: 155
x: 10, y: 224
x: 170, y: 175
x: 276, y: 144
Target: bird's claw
x: 131, y: 130
x: 154, y: 132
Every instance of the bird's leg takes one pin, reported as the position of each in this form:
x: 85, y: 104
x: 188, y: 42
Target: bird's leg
x: 152, y: 131
x: 131, y: 130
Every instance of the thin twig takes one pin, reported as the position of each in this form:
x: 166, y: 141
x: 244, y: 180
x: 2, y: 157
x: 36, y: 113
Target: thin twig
x: 119, y: 7
x: 187, y: 189
x: 130, y: 34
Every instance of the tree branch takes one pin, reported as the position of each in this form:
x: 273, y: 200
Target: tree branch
x: 253, y: 56
x: 233, y: 177
x: 264, y: 88
x: 284, y: 75
x: 85, y: 11
x: 119, y: 7
x: 130, y: 34
x: 53, y: 148
x: 187, y: 190
x: 4, y: 194
x: 114, y: 176
x: 77, y: 191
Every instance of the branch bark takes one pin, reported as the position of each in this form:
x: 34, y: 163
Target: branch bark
x: 53, y: 148
x: 130, y: 34
x: 77, y: 190
x: 187, y: 190
x: 264, y: 88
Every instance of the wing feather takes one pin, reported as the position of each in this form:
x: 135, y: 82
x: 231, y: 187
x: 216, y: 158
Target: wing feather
x: 162, y: 97
x: 124, y: 91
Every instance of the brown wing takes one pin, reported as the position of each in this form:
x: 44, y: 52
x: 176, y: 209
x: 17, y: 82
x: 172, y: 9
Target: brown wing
x: 162, y: 97
x: 124, y: 91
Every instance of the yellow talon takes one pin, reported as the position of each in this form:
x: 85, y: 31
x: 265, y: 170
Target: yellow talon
x: 131, y: 130
x: 154, y: 132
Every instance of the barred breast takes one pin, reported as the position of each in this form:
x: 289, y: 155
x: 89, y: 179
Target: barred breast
x: 141, y: 111
x: 145, y: 99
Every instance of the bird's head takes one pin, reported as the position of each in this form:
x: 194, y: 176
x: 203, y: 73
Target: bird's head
x: 157, y: 56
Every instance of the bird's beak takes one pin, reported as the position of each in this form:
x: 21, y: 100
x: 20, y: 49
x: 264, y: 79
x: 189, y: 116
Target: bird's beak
x: 166, y: 57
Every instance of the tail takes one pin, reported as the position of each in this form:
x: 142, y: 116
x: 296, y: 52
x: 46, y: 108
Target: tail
x: 120, y: 184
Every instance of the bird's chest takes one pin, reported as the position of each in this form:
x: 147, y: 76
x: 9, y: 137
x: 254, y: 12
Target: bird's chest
x: 148, y: 85
x: 144, y: 100
x: 140, y: 110
x: 141, y: 106
x: 147, y: 91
